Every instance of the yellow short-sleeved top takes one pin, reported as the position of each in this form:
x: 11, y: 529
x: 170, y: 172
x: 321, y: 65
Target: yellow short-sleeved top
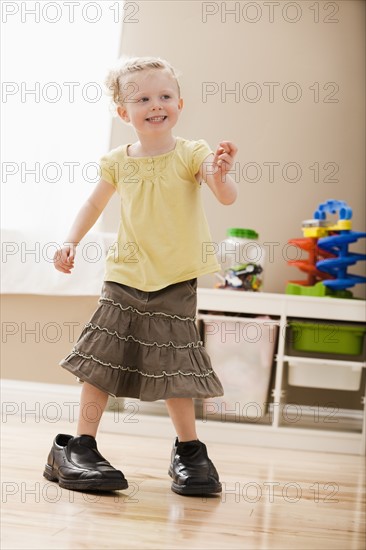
x: 163, y: 236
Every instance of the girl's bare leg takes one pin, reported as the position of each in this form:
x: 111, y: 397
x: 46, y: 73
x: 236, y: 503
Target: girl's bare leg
x: 182, y: 413
x: 92, y: 404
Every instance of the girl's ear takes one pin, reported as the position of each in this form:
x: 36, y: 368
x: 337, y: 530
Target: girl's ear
x: 122, y: 113
x: 180, y: 104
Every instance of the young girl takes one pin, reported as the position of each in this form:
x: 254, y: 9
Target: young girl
x: 142, y: 341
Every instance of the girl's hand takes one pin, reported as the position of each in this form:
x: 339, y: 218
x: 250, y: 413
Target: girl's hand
x: 214, y: 171
x: 224, y: 159
x: 63, y: 259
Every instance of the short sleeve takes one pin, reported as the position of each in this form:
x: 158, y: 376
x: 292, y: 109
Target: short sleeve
x: 108, y: 169
x: 201, y: 150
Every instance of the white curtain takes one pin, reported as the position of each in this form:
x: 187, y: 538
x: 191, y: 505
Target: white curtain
x: 56, y: 123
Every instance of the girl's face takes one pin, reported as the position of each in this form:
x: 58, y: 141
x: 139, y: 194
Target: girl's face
x: 151, y: 101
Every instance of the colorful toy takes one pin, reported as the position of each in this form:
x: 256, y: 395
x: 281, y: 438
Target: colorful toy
x: 309, y: 266
x: 244, y: 277
x: 329, y: 258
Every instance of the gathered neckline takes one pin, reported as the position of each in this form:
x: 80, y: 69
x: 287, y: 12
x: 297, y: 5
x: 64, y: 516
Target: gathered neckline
x: 151, y: 156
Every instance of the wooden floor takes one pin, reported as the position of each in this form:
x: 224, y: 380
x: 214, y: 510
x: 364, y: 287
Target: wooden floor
x: 272, y: 499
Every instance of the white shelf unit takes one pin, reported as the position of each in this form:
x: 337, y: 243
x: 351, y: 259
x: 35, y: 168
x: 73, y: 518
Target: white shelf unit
x: 285, y: 307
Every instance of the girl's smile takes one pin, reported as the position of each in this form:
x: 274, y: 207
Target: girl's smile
x: 156, y: 119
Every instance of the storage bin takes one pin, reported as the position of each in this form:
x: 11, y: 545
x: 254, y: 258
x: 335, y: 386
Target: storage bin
x: 324, y: 375
x: 241, y: 351
x: 327, y: 337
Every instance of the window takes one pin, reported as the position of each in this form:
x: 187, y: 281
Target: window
x: 56, y: 117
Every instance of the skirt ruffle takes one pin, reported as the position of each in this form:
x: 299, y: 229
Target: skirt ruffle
x: 145, y: 345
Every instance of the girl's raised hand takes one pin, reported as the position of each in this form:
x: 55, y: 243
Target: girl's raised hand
x: 63, y: 259
x: 224, y: 158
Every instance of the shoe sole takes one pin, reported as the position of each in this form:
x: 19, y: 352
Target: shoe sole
x: 201, y: 490
x: 84, y: 485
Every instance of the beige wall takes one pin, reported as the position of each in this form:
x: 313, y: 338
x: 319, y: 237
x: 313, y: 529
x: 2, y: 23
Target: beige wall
x: 309, y: 131
x: 38, y: 331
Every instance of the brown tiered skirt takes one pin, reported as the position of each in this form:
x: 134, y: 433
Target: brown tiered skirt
x: 145, y: 345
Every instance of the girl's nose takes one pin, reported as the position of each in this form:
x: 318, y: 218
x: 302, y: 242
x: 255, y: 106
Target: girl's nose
x: 156, y: 104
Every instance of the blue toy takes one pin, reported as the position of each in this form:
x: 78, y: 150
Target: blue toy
x: 339, y: 237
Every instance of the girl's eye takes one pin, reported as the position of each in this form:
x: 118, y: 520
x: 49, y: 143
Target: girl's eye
x: 166, y: 96
x: 142, y: 99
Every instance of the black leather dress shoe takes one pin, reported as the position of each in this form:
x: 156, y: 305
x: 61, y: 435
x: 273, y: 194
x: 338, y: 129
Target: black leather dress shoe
x: 76, y: 464
x: 192, y: 471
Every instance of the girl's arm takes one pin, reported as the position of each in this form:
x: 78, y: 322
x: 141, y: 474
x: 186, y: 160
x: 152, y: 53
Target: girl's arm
x: 85, y: 219
x: 214, y: 171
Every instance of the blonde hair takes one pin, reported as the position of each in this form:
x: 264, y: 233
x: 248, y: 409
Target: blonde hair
x: 128, y: 65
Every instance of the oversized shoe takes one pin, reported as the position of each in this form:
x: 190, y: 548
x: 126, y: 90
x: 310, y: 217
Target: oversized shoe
x: 76, y: 464
x: 192, y: 471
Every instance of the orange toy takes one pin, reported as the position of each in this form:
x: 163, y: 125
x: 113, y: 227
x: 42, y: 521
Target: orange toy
x: 309, y: 244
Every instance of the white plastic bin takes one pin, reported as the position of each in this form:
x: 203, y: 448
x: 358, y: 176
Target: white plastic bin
x: 241, y: 351
x: 324, y: 374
